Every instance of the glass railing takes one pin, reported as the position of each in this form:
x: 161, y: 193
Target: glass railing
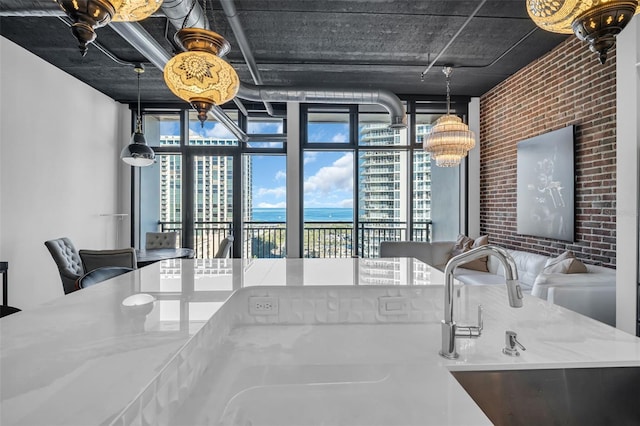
x: 321, y: 239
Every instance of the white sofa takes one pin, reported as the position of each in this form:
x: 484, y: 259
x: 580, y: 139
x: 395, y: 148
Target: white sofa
x: 592, y: 294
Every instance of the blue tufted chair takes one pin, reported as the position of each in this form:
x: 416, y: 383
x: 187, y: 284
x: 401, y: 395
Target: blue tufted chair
x: 69, y: 265
x: 161, y: 240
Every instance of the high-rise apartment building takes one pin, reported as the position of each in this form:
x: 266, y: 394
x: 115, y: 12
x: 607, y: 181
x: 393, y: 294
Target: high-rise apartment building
x: 421, y: 179
x: 382, y: 185
x: 383, y: 176
x: 213, y: 191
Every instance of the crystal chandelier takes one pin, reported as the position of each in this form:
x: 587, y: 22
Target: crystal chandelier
x: 449, y: 140
x: 595, y: 21
x: 198, y: 75
x: 87, y: 15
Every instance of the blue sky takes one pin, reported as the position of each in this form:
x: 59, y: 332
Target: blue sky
x: 328, y: 175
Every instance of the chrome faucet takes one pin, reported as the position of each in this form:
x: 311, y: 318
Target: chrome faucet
x: 450, y: 330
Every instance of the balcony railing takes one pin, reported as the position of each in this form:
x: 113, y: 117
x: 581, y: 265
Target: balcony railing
x: 321, y: 239
x: 264, y: 239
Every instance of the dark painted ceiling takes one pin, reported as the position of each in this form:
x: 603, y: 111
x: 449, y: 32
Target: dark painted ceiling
x: 375, y: 44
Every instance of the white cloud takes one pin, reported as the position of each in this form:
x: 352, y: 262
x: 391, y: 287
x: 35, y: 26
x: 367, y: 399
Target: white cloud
x: 258, y: 144
x: 340, y: 137
x: 278, y: 192
x: 280, y: 175
x: 218, y: 131
x: 347, y: 203
x: 310, y: 157
x: 265, y: 127
x: 315, y: 203
x: 337, y: 177
x: 327, y: 203
x: 281, y: 205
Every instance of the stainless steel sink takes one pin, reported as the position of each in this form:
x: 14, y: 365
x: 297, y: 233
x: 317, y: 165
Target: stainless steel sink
x: 568, y: 396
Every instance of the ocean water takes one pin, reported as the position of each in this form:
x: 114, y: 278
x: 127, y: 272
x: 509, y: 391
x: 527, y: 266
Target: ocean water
x: 310, y: 215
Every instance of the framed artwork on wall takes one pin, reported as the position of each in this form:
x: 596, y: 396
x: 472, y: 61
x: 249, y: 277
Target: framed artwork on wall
x: 545, y: 197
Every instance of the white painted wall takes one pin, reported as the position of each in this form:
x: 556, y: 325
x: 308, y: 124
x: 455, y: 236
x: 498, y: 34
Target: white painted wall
x: 59, y: 170
x: 628, y: 187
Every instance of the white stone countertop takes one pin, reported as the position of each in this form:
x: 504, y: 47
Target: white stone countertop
x: 83, y: 358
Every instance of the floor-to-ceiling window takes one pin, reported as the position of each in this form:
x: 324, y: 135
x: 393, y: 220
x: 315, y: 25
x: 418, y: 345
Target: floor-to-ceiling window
x: 204, y: 182
x: 437, y: 191
x: 209, y: 161
x: 383, y: 181
x: 264, y: 196
x: 381, y: 177
x: 160, y: 197
x: 362, y: 183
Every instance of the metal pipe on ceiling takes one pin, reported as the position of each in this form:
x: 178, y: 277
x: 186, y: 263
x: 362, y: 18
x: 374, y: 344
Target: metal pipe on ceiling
x: 142, y: 41
x: 240, y: 106
x: 52, y: 9
x: 243, y: 43
x: 455, y: 36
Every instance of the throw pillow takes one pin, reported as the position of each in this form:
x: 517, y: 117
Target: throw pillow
x: 566, y: 255
x: 464, y: 244
x: 566, y: 263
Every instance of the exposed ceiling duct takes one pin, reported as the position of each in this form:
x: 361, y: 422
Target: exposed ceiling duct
x: 176, y: 11
x: 149, y: 47
x: 188, y: 13
x: 385, y: 98
x: 368, y: 44
x: 184, y: 13
x: 231, y: 13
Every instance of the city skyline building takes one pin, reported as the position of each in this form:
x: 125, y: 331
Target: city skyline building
x: 383, y: 177
x: 213, y: 191
x: 382, y: 189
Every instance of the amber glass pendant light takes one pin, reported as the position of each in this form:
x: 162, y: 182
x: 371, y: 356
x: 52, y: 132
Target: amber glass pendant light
x: 198, y: 75
x: 88, y: 15
x: 595, y: 21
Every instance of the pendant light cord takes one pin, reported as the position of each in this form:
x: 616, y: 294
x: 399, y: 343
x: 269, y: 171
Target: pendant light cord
x: 139, y: 70
x: 447, y: 72
x: 186, y: 18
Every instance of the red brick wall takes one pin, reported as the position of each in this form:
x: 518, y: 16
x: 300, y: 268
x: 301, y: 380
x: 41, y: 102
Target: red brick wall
x: 568, y: 86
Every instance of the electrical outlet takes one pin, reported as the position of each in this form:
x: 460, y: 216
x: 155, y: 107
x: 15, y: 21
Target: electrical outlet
x: 393, y: 305
x: 263, y: 305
